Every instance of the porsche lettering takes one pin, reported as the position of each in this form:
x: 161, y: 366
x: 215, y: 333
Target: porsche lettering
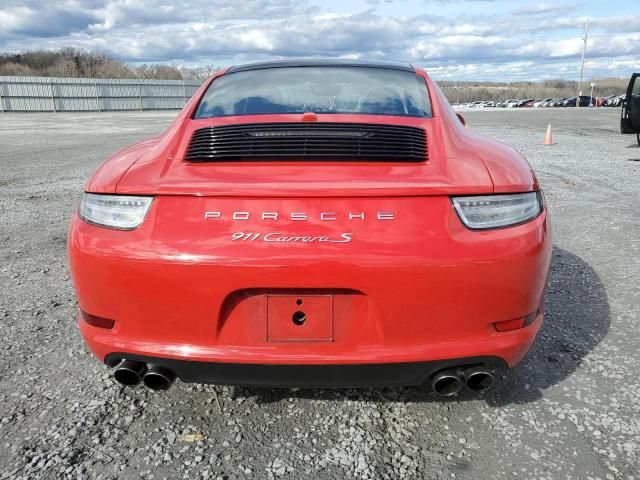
x: 298, y: 216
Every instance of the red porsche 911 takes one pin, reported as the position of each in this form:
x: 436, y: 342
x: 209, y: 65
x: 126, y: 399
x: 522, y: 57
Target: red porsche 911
x: 312, y: 223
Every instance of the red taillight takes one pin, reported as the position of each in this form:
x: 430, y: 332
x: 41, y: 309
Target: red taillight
x: 97, y: 321
x: 516, y: 323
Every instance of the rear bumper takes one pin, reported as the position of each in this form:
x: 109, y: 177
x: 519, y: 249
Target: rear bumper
x: 508, y: 347
x: 310, y: 376
x: 421, y: 290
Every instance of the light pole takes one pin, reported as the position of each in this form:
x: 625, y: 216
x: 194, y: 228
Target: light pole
x: 584, y: 49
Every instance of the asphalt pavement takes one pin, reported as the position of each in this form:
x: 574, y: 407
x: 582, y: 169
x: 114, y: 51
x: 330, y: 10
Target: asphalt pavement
x: 569, y: 411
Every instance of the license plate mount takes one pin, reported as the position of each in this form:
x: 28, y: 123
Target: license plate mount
x: 299, y: 318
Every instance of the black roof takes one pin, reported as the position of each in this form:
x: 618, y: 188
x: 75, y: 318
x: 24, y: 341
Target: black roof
x: 314, y: 62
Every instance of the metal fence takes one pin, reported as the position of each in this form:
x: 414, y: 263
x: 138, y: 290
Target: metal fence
x: 54, y: 94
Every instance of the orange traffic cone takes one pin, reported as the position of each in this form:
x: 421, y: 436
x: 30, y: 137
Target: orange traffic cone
x: 548, y: 138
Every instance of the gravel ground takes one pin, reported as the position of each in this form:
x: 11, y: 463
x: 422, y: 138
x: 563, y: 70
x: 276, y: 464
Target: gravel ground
x: 569, y: 411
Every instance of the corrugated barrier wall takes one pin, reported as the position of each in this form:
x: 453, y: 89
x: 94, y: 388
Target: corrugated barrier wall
x: 54, y: 94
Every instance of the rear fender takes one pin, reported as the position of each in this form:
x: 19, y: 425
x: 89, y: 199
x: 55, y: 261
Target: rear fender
x: 509, y: 170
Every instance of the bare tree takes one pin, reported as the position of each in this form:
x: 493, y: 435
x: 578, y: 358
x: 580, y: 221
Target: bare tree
x: 75, y: 62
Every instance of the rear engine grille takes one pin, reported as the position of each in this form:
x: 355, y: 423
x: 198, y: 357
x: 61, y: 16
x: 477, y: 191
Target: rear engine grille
x: 308, y: 141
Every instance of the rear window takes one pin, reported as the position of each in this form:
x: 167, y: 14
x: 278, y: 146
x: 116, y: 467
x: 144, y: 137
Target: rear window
x: 365, y: 90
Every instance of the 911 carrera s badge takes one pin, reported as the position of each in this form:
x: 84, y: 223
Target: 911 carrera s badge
x: 279, y: 237
x: 285, y: 238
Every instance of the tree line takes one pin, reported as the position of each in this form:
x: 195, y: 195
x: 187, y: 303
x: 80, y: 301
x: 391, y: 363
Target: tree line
x: 462, y: 92
x: 75, y: 62
x: 79, y: 63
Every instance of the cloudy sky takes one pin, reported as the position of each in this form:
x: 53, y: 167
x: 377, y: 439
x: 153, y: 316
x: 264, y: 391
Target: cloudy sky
x: 466, y: 39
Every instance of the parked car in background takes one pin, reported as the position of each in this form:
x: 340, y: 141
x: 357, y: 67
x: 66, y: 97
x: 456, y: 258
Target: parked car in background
x: 630, y: 114
x: 616, y: 101
x: 585, y: 101
x: 603, y: 101
x: 541, y: 103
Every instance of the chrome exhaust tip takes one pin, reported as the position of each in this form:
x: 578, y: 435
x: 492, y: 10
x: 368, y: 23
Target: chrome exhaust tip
x: 446, y: 383
x: 478, y: 379
x: 158, y: 378
x: 129, y: 373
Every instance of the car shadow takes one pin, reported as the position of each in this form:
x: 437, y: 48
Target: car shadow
x: 576, y: 321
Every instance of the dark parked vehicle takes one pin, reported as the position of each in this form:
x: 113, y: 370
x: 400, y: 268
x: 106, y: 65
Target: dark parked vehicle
x: 585, y: 101
x: 630, y: 116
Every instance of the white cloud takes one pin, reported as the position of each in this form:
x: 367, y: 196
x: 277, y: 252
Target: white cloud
x: 16, y: 18
x: 534, y: 41
x: 543, y: 8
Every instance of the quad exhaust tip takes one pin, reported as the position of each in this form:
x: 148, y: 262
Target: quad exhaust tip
x: 129, y: 372
x: 446, y: 383
x: 158, y: 378
x: 478, y: 379
x: 449, y: 382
